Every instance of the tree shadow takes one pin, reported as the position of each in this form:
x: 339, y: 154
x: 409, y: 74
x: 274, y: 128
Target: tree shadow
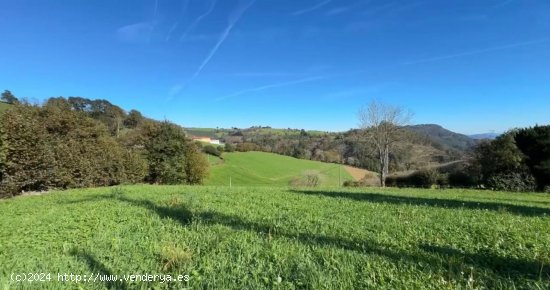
x: 96, y: 267
x: 436, y: 257
x: 433, y: 202
x: 504, y: 266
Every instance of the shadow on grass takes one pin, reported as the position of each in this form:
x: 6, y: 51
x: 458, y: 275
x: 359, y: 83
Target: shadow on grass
x: 98, y: 268
x: 435, y: 258
x: 433, y: 202
x: 510, y: 266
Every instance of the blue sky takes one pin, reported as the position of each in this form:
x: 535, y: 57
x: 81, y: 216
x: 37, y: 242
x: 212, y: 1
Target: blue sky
x: 471, y: 66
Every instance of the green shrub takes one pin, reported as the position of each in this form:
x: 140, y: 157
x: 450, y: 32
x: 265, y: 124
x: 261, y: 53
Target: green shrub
x: 28, y: 159
x: 353, y: 183
x: 310, y: 178
x: 172, y: 158
x: 426, y: 178
x: 461, y: 179
x: 513, y: 181
x: 209, y: 149
x: 229, y: 147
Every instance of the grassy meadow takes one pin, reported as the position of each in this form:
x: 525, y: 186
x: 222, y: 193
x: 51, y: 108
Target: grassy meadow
x: 3, y: 107
x: 280, y: 238
x: 260, y: 168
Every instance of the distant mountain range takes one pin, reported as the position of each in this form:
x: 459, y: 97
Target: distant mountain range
x: 489, y: 136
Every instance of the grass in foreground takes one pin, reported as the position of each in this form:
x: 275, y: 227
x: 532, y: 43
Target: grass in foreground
x: 258, y: 238
x: 260, y: 168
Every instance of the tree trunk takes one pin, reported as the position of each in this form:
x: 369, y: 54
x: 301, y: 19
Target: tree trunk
x: 384, y: 164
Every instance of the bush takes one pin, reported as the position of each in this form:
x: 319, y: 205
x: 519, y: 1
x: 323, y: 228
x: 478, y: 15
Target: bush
x: 135, y: 167
x: 310, y: 178
x: 247, y: 146
x: 353, y: 183
x: 229, y: 147
x: 461, y: 179
x: 172, y: 158
x: 29, y: 161
x: 209, y: 149
x: 426, y: 178
x: 513, y: 181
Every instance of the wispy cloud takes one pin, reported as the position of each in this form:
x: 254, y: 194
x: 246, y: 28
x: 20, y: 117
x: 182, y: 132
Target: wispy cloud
x: 184, y: 6
x: 479, y: 51
x: 135, y: 33
x: 265, y: 74
x: 270, y: 86
x: 233, y: 19
x: 198, y: 20
x: 312, y: 8
x: 155, y: 12
x: 346, y: 8
x: 503, y: 3
x: 356, y: 92
x: 338, y: 10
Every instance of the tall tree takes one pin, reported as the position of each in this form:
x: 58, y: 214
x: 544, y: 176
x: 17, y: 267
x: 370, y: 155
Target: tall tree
x: 535, y: 144
x: 382, y: 125
x: 9, y: 98
x: 172, y: 158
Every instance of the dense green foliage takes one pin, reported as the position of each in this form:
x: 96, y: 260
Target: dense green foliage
x: 268, y: 169
x: 210, y: 149
x: 516, y: 161
x: 265, y: 238
x: 76, y: 142
x: 173, y: 159
x: 534, y: 143
x: 422, y: 178
x: 412, y: 151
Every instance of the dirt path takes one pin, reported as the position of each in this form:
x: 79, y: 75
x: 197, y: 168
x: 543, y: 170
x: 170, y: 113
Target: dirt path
x: 356, y: 173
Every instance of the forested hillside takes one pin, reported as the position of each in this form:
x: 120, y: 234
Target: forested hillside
x: 413, y: 151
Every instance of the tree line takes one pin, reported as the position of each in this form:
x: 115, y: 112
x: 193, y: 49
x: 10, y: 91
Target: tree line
x: 518, y: 160
x: 77, y: 142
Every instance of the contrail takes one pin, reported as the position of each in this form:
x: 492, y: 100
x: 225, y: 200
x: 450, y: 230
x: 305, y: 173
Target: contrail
x: 232, y: 21
x: 315, y: 7
x: 480, y: 51
x: 271, y: 86
x: 154, y: 24
x: 198, y: 20
x: 184, y: 9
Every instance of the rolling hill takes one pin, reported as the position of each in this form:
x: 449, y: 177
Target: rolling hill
x: 441, y: 135
x: 260, y: 168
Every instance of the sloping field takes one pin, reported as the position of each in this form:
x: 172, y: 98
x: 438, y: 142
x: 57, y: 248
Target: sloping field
x: 3, y: 107
x: 277, y: 238
x: 260, y: 168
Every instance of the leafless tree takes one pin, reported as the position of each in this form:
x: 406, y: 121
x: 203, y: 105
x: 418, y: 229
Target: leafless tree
x: 381, y: 123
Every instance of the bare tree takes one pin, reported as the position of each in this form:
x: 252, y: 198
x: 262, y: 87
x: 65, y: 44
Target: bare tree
x: 381, y: 123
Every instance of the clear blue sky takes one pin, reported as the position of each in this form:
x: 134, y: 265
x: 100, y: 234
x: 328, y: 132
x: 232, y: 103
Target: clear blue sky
x: 471, y: 66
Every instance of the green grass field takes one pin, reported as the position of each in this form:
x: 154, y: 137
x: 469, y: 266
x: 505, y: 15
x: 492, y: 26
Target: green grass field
x: 3, y: 107
x: 205, y: 132
x: 260, y: 168
x: 265, y: 238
